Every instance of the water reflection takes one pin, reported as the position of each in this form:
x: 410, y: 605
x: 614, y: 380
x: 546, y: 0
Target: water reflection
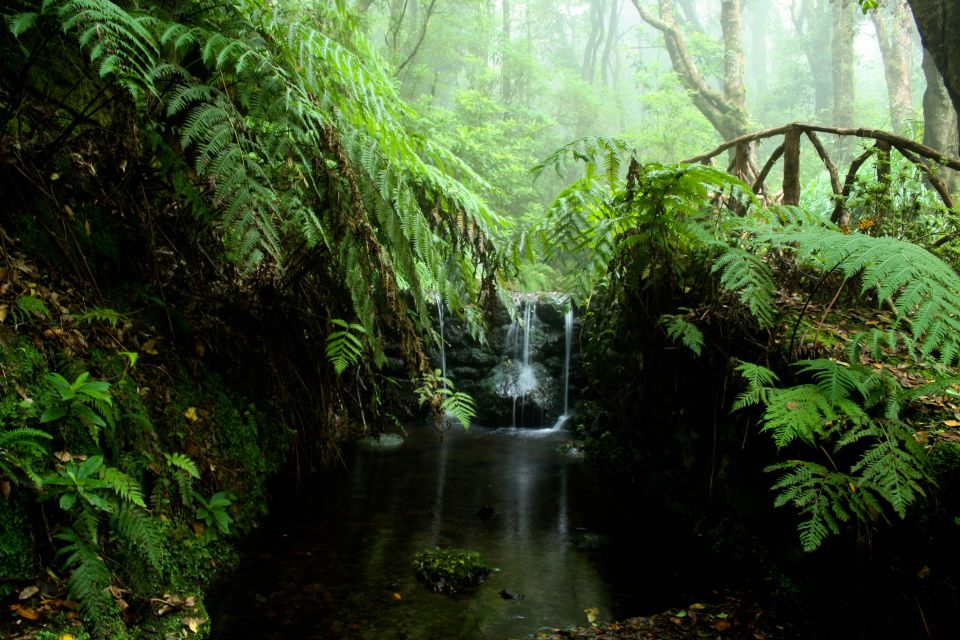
x: 336, y: 563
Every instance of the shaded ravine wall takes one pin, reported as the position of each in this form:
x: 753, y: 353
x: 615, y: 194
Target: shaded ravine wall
x: 517, y: 377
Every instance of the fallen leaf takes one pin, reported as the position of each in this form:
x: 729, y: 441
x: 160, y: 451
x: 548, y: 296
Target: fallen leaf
x: 722, y: 626
x: 5, y: 489
x: 25, y: 612
x: 29, y: 592
x: 397, y: 596
x: 592, y: 614
x: 191, y: 414
x: 193, y: 624
x: 150, y: 346
x: 952, y: 423
x: 66, y: 636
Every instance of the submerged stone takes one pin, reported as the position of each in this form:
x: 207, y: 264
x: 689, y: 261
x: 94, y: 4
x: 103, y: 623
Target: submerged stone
x: 381, y: 440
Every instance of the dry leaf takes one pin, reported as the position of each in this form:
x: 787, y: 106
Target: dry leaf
x: 191, y: 414
x: 5, y: 489
x: 952, y: 423
x: 25, y: 612
x: 29, y: 592
x: 722, y: 626
x: 193, y: 624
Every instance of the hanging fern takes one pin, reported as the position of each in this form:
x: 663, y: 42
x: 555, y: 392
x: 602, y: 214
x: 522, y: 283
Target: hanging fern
x: 889, y: 469
x: 344, y: 347
x: 679, y: 328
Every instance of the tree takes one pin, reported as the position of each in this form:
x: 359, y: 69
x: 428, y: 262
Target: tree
x: 939, y: 116
x: 726, y: 110
x: 812, y: 21
x: 938, y: 22
x: 894, y: 30
x: 841, y: 49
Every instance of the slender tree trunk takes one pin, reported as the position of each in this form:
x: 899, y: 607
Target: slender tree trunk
x: 732, y: 27
x: 594, y: 40
x: 894, y: 31
x: 613, y: 28
x: 758, y: 13
x: 726, y: 111
x: 504, y: 46
x: 939, y: 24
x: 814, y: 26
x: 841, y: 48
x: 939, y: 116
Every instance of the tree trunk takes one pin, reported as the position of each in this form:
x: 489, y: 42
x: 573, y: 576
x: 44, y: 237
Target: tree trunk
x: 894, y: 31
x: 613, y: 28
x: 726, y: 111
x: 939, y: 23
x: 814, y: 26
x: 504, y: 46
x: 730, y: 24
x: 594, y: 40
x: 841, y: 48
x: 758, y: 12
x: 939, y: 117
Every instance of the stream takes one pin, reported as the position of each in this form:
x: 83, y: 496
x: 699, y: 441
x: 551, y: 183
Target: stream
x: 335, y: 561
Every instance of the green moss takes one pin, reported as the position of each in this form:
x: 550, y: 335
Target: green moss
x: 450, y: 570
x: 16, y: 544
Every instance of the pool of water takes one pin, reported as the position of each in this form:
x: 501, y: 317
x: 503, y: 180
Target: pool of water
x: 336, y: 561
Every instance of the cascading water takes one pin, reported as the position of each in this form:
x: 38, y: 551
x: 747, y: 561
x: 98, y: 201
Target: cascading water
x: 526, y: 377
x: 568, y: 345
x: 443, y: 352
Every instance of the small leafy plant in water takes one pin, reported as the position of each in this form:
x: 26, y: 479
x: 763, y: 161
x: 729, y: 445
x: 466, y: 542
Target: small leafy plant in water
x: 450, y: 570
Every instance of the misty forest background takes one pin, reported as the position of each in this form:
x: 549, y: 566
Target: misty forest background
x: 227, y: 227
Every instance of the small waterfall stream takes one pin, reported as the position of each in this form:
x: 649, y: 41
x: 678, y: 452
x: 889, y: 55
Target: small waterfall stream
x: 443, y: 351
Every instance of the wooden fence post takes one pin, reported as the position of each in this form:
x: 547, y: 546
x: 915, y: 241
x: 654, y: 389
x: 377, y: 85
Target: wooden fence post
x: 791, y: 166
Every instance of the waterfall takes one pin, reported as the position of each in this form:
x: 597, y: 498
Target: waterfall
x: 568, y: 335
x: 443, y: 353
x: 526, y: 376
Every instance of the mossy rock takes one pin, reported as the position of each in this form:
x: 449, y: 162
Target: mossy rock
x: 450, y: 570
x: 381, y: 441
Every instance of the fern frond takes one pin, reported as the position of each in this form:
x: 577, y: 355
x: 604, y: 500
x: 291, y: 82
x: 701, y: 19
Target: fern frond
x: 679, y: 328
x: 182, y: 462
x: 123, y: 485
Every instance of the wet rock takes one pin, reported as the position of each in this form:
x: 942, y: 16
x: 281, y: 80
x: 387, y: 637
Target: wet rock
x: 506, y: 594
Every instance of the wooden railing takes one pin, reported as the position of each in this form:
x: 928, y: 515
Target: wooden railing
x: 741, y: 165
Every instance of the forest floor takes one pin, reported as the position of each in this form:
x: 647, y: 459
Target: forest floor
x: 729, y: 617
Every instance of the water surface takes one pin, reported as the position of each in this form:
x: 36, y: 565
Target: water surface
x: 336, y: 562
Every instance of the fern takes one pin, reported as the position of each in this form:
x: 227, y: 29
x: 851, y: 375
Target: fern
x: 89, y: 575
x: 183, y: 463
x: 19, y: 447
x: 139, y: 533
x: 888, y: 469
x: 344, y: 347
x: 746, y: 274
x: 920, y: 287
x: 679, y: 328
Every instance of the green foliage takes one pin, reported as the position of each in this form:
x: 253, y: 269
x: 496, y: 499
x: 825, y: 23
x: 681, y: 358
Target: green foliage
x: 85, y: 400
x: 918, y: 286
x: 679, y: 328
x: 655, y: 212
x: 19, y: 449
x: 439, y: 392
x: 450, y: 570
x: 183, y: 463
x: 30, y: 308
x: 854, y: 410
x: 101, y: 314
x: 344, y: 347
x: 89, y: 576
x: 215, y: 512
